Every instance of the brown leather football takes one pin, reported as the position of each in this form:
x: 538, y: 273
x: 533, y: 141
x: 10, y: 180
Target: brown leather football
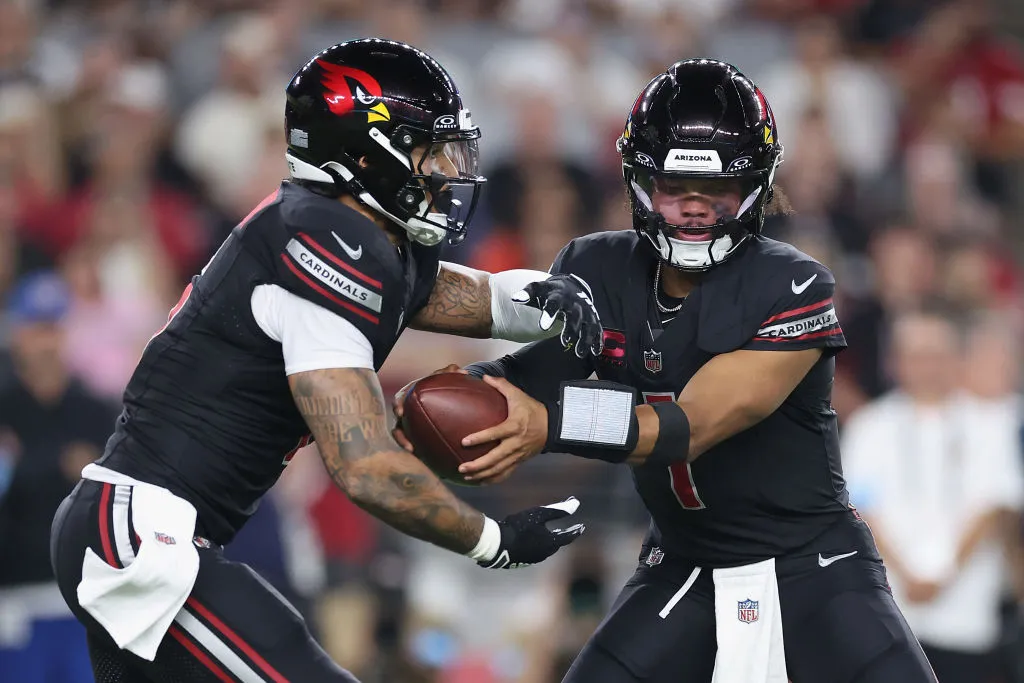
x: 440, y: 410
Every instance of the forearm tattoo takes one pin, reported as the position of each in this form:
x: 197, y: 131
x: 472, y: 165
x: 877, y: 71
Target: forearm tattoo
x: 345, y: 411
x: 460, y: 303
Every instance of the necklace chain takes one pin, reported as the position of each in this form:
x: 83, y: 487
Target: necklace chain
x: 657, y: 297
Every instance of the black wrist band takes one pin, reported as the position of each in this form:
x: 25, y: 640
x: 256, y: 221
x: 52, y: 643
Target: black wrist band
x: 673, y: 444
x: 594, y: 419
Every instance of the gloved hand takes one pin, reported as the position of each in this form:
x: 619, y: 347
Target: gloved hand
x: 526, y: 539
x: 566, y: 297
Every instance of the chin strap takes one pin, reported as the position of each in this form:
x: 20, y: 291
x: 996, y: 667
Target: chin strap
x: 733, y: 228
x: 655, y: 222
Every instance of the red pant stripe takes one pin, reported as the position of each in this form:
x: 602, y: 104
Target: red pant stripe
x: 180, y: 636
x: 220, y: 626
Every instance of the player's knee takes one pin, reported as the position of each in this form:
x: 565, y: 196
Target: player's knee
x: 903, y: 662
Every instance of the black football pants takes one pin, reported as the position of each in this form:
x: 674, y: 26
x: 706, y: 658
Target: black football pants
x: 839, y: 623
x: 234, y: 626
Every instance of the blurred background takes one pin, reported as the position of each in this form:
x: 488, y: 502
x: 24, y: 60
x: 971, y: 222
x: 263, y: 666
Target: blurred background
x: 134, y: 134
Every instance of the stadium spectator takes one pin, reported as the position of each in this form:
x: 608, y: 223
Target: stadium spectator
x: 853, y: 98
x: 50, y: 427
x: 936, y: 472
x: 221, y: 137
x: 149, y: 235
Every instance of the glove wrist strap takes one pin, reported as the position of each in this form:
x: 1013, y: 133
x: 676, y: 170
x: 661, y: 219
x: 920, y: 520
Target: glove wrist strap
x: 511, y: 320
x: 487, y: 547
x: 594, y: 419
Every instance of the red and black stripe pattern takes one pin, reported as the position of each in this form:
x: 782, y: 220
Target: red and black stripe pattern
x: 219, y: 648
x: 337, y: 282
x: 201, y: 655
x: 118, y: 541
x: 106, y: 527
x: 801, y: 326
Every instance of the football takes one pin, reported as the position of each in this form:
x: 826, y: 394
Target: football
x: 440, y: 410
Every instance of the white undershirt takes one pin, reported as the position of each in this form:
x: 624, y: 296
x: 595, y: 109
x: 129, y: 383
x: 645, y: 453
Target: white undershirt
x: 312, y: 337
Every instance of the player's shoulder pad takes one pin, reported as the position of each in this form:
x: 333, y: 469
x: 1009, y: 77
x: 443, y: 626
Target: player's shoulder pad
x: 604, y: 260
x: 339, y: 259
x: 766, y: 278
x: 589, y: 256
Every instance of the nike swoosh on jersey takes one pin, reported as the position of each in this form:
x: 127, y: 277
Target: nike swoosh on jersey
x: 799, y: 289
x: 826, y: 561
x: 354, y: 254
x: 327, y: 275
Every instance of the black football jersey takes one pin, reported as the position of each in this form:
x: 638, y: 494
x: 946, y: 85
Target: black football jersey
x: 208, y: 413
x: 765, y: 491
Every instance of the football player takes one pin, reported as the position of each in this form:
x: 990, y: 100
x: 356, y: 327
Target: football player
x: 276, y: 344
x: 714, y: 387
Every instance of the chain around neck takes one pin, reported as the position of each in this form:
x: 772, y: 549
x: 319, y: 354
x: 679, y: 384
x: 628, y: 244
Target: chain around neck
x: 657, y: 298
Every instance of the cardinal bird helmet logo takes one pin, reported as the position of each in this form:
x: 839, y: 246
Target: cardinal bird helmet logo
x: 767, y: 116
x: 352, y: 90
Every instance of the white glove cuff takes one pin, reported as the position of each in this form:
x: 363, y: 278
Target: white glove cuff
x: 512, y: 321
x: 490, y: 540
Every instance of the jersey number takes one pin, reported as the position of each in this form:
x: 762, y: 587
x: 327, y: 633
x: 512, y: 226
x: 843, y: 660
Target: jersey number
x: 679, y: 475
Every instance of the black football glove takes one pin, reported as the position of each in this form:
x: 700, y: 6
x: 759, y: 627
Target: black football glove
x: 526, y: 539
x: 566, y: 297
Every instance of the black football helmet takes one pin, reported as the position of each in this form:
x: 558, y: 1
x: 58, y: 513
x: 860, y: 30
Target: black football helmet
x: 700, y: 119
x: 376, y: 101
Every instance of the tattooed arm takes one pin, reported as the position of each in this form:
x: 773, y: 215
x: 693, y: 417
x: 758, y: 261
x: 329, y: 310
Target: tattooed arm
x: 517, y: 305
x: 460, y: 303
x: 345, y: 411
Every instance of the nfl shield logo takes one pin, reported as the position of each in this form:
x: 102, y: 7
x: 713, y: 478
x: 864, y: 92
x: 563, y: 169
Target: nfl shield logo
x: 654, y: 557
x: 652, y: 360
x: 746, y: 611
x: 164, y: 538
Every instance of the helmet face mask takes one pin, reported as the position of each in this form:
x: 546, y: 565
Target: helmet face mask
x: 732, y: 202
x: 700, y: 129
x: 383, y: 122
x: 443, y: 190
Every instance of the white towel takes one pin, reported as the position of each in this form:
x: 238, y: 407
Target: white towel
x: 748, y: 620
x: 137, y: 604
x: 94, y: 472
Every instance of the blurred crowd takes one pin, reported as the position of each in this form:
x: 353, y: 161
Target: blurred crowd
x: 134, y: 134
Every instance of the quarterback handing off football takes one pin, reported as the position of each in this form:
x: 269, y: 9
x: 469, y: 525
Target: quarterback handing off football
x: 440, y: 410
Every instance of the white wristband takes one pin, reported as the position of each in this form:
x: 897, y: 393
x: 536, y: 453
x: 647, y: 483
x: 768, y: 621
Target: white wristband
x: 595, y: 416
x: 490, y: 541
x: 512, y: 321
